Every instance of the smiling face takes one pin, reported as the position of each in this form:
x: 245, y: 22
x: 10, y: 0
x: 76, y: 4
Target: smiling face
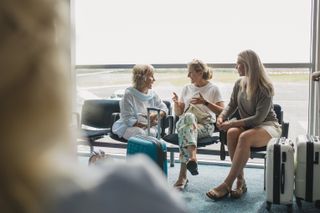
x: 143, y: 77
x: 195, y: 76
x: 149, y: 80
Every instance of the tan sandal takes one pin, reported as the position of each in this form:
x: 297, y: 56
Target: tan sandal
x: 217, y: 194
x: 239, y: 190
x: 181, y: 186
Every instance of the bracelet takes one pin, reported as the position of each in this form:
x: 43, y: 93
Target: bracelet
x: 206, y: 103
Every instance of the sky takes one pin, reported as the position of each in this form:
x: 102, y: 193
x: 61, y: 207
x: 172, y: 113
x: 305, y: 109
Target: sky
x: 176, y: 31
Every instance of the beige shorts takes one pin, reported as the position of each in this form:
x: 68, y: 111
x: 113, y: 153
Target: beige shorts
x: 272, y: 127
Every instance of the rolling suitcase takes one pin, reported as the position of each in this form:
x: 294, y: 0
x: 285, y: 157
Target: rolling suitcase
x: 307, y: 182
x: 153, y: 147
x: 280, y: 172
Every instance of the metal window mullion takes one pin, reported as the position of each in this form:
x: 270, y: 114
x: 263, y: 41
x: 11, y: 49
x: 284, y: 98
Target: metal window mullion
x: 314, y: 49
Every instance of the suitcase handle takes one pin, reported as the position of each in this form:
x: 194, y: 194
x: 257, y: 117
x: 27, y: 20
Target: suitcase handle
x: 149, y: 109
x: 282, y: 177
x: 316, y: 158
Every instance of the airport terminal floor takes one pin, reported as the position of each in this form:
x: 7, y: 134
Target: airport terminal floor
x: 211, y: 173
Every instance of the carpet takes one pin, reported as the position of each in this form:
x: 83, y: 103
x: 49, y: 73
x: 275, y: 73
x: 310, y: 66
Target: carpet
x: 212, y: 175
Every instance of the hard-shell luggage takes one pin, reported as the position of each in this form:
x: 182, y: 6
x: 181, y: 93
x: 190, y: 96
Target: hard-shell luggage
x: 153, y: 147
x: 280, y: 172
x: 307, y: 181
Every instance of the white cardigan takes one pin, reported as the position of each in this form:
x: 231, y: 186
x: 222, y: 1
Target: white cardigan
x: 132, y: 104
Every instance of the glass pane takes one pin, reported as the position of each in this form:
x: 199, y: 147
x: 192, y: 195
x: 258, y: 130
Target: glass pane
x: 176, y: 31
x: 291, y: 88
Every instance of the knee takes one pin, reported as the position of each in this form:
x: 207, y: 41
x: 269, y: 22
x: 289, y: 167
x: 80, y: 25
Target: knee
x: 186, y: 122
x: 140, y: 131
x: 133, y: 131
x: 244, y: 140
x: 233, y: 133
x: 189, y: 118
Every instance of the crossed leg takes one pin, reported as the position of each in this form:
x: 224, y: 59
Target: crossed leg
x: 239, y: 143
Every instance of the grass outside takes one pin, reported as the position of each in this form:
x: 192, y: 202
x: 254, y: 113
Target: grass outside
x: 178, y: 77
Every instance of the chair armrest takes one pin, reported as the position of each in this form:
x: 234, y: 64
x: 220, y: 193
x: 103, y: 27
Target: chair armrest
x: 114, y: 117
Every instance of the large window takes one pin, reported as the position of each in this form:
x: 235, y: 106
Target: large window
x: 118, y: 32
x: 175, y: 31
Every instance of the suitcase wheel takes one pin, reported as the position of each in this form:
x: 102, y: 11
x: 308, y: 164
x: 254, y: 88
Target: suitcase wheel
x: 268, y: 206
x: 299, y: 204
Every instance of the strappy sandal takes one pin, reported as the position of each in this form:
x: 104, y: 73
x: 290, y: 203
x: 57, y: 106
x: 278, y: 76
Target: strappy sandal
x: 181, y: 186
x: 192, y: 167
x: 240, y: 190
x: 218, y: 194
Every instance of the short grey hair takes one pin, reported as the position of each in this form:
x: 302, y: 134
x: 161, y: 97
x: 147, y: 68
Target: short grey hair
x: 139, y: 74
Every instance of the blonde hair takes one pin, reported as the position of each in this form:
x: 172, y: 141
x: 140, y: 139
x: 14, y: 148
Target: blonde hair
x: 139, y: 74
x: 200, y: 66
x: 35, y: 106
x: 256, y: 78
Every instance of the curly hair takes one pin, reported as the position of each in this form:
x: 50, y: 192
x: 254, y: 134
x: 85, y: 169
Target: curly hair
x: 139, y: 74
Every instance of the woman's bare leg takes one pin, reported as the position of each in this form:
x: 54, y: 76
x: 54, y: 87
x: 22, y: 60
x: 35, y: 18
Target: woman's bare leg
x: 251, y: 138
x: 182, y: 175
x: 192, y: 152
x: 254, y: 137
x: 232, y: 141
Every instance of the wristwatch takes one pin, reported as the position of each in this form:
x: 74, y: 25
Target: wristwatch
x: 206, y: 103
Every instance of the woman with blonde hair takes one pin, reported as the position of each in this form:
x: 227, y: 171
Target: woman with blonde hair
x: 133, y: 105
x: 252, y: 96
x: 205, y: 96
x: 39, y: 168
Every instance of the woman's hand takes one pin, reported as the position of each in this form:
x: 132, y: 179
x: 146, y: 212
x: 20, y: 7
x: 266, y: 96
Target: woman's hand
x: 198, y: 100
x: 140, y: 125
x: 219, y: 121
x: 178, y: 106
x: 225, y: 125
x: 175, y: 98
x: 153, y: 119
x: 316, y: 76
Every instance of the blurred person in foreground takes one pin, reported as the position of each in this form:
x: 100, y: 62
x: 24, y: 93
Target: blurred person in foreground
x: 316, y: 76
x: 39, y: 168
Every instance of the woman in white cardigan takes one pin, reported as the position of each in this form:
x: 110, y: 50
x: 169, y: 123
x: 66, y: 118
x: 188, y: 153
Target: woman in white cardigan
x: 133, y: 105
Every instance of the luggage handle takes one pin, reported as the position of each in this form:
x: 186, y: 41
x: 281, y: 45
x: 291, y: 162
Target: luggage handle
x: 149, y: 109
x: 316, y: 158
x: 314, y: 139
x: 282, y: 177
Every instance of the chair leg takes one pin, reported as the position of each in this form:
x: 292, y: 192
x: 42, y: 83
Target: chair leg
x: 264, y: 173
x: 171, y: 159
x: 91, y: 146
